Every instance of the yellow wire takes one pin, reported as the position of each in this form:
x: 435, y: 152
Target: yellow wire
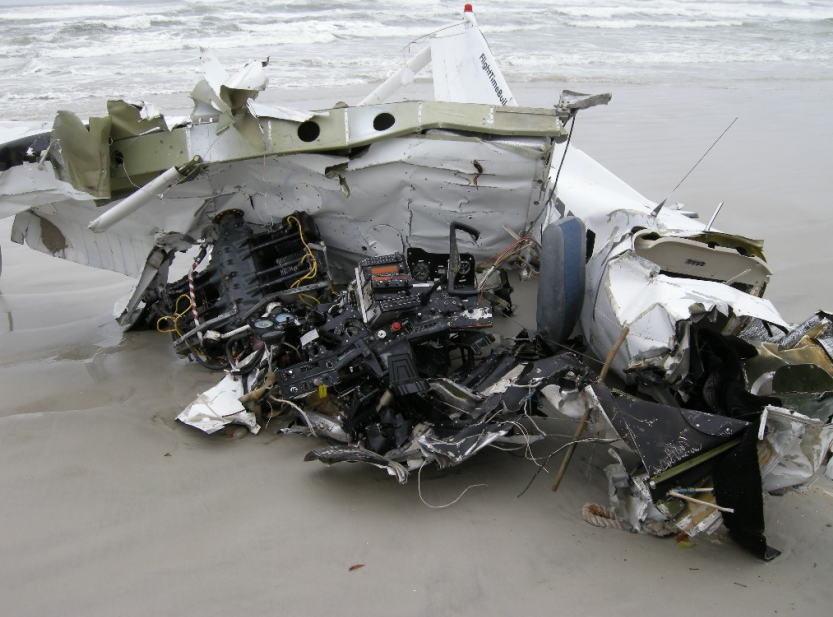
x: 177, y: 315
x: 175, y: 320
x: 301, y: 296
x: 314, y: 264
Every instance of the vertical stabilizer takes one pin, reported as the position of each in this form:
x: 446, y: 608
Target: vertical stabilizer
x: 465, y: 71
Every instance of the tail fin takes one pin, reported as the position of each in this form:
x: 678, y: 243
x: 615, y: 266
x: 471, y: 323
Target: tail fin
x: 465, y: 71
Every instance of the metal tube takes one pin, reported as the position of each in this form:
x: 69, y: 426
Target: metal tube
x: 714, y: 216
x: 400, y: 78
x: 143, y: 195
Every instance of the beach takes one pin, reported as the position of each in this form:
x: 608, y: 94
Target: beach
x: 112, y: 507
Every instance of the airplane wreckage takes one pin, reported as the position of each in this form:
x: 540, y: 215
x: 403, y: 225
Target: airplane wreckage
x: 350, y: 264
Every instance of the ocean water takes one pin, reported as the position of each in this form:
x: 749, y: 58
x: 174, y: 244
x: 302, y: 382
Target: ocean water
x: 58, y: 55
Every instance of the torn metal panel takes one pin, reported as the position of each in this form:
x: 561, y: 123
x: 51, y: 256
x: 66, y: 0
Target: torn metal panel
x: 30, y: 186
x: 627, y: 289
x: 23, y: 144
x: 340, y: 454
x: 223, y: 98
x: 799, y: 362
x: 70, y: 239
x: 455, y: 449
x: 83, y: 152
x: 667, y: 439
x: 126, y: 310
x: 276, y: 112
x: 571, y: 102
x: 572, y: 400
x: 164, y: 220
x: 798, y: 371
x: 218, y: 407
x: 631, y: 500
x: 794, y: 448
x: 134, y: 119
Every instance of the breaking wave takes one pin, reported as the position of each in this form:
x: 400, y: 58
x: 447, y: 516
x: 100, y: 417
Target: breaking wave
x: 644, y: 23
x: 144, y: 46
x: 761, y: 10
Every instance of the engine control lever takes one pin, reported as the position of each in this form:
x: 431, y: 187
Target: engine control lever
x: 454, y: 258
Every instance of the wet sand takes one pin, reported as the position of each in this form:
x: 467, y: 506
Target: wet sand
x: 110, y: 507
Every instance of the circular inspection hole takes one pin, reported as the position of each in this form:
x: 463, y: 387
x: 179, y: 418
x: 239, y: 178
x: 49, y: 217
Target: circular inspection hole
x: 118, y: 158
x: 309, y: 131
x: 383, y: 121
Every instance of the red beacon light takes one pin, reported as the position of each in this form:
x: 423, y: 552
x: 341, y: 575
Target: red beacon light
x: 468, y: 9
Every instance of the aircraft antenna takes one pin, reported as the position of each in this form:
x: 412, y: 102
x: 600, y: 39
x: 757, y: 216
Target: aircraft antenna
x: 662, y: 203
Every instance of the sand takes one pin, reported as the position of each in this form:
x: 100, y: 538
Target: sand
x: 110, y: 507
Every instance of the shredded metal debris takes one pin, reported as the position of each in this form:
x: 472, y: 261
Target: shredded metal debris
x: 350, y: 266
